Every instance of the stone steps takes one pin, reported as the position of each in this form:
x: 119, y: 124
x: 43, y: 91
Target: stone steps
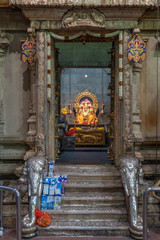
x: 91, y: 188
x: 88, y: 212
x: 86, y: 170
x: 93, y: 203
x: 86, y: 228
x: 93, y: 177
x: 112, y: 196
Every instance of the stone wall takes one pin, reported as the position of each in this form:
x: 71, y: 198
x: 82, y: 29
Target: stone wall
x: 16, y: 89
x: 148, y: 91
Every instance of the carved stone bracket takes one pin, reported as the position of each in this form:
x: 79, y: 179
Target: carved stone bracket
x: 4, y: 43
x: 130, y: 170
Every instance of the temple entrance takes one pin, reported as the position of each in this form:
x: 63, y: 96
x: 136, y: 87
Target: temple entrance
x: 85, y: 81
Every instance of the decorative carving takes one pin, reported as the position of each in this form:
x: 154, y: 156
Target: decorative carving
x: 86, y: 94
x: 129, y: 168
x: 35, y: 24
x: 136, y: 102
x: 82, y: 17
x: 58, y: 24
x: 33, y: 172
x: 128, y: 136
x: 121, y: 24
x: 41, y: 90
x: 29, y: 50
x: 84, y: 137
x: 136, y: 47
x: 40, y: 143
x: 4, y: 43
x: 87, y: 3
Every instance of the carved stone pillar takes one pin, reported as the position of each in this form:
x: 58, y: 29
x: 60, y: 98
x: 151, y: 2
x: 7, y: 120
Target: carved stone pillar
x: 41, y: 88
x: 127, y: 102
x: 52, y: 110
x: 36, y: 166
x: 136, y: 102
x: 4, y: 43
x: 30, y: 139
x: 32, y: 119
x: 130, y: 166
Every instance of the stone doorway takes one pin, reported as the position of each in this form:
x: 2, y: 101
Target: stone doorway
x: 80, y: 65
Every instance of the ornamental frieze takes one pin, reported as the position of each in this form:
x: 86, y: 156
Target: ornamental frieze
x: 122, y: 24
x: 86, y: 3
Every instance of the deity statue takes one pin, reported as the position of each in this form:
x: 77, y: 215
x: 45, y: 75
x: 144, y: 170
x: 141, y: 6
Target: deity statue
x: 85, y: 114
x: 92, y: 120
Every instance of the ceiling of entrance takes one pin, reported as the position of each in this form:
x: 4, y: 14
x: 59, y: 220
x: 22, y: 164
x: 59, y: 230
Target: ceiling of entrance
x: 90, y: 54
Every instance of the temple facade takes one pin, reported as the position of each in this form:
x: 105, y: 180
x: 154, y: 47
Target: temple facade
x: 92, y: 66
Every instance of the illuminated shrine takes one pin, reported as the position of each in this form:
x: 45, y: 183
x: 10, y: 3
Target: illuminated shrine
x: 79, y: 115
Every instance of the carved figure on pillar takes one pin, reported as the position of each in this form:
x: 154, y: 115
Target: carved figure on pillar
x: 34, y: 171
x: 130, y: 178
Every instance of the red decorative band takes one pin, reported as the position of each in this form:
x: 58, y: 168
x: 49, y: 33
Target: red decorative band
x: 120, y: 56
x: 49, y: 71
x: 49, y: 57
x: 49, y: 85
x: 49, y: 44
x: 120, y: 69
x: 120, y: 83
x: 66, y: 38
x: 120, y: 42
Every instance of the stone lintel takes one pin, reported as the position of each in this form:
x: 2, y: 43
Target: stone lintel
x: 123, y: 24
x: 79, y: 3
x: 56, y: 14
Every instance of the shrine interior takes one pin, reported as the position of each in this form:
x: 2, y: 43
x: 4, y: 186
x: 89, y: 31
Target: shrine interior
x: 84, y: 66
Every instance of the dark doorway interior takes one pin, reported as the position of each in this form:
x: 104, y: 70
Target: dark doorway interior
x: 83, y: 67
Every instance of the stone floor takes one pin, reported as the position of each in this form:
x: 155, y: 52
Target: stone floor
x: 154, y: 234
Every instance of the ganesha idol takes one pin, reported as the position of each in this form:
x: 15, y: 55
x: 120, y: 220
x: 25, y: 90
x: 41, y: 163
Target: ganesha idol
x: 86, y: 106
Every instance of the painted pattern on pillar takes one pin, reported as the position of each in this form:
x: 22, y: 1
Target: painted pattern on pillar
x: 136, y: 49
x: 29, y: 50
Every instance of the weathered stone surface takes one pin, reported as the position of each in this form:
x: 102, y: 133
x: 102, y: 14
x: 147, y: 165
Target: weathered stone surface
x: 82, y: 3
x: 83, y: 228
x: 149, y: 170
